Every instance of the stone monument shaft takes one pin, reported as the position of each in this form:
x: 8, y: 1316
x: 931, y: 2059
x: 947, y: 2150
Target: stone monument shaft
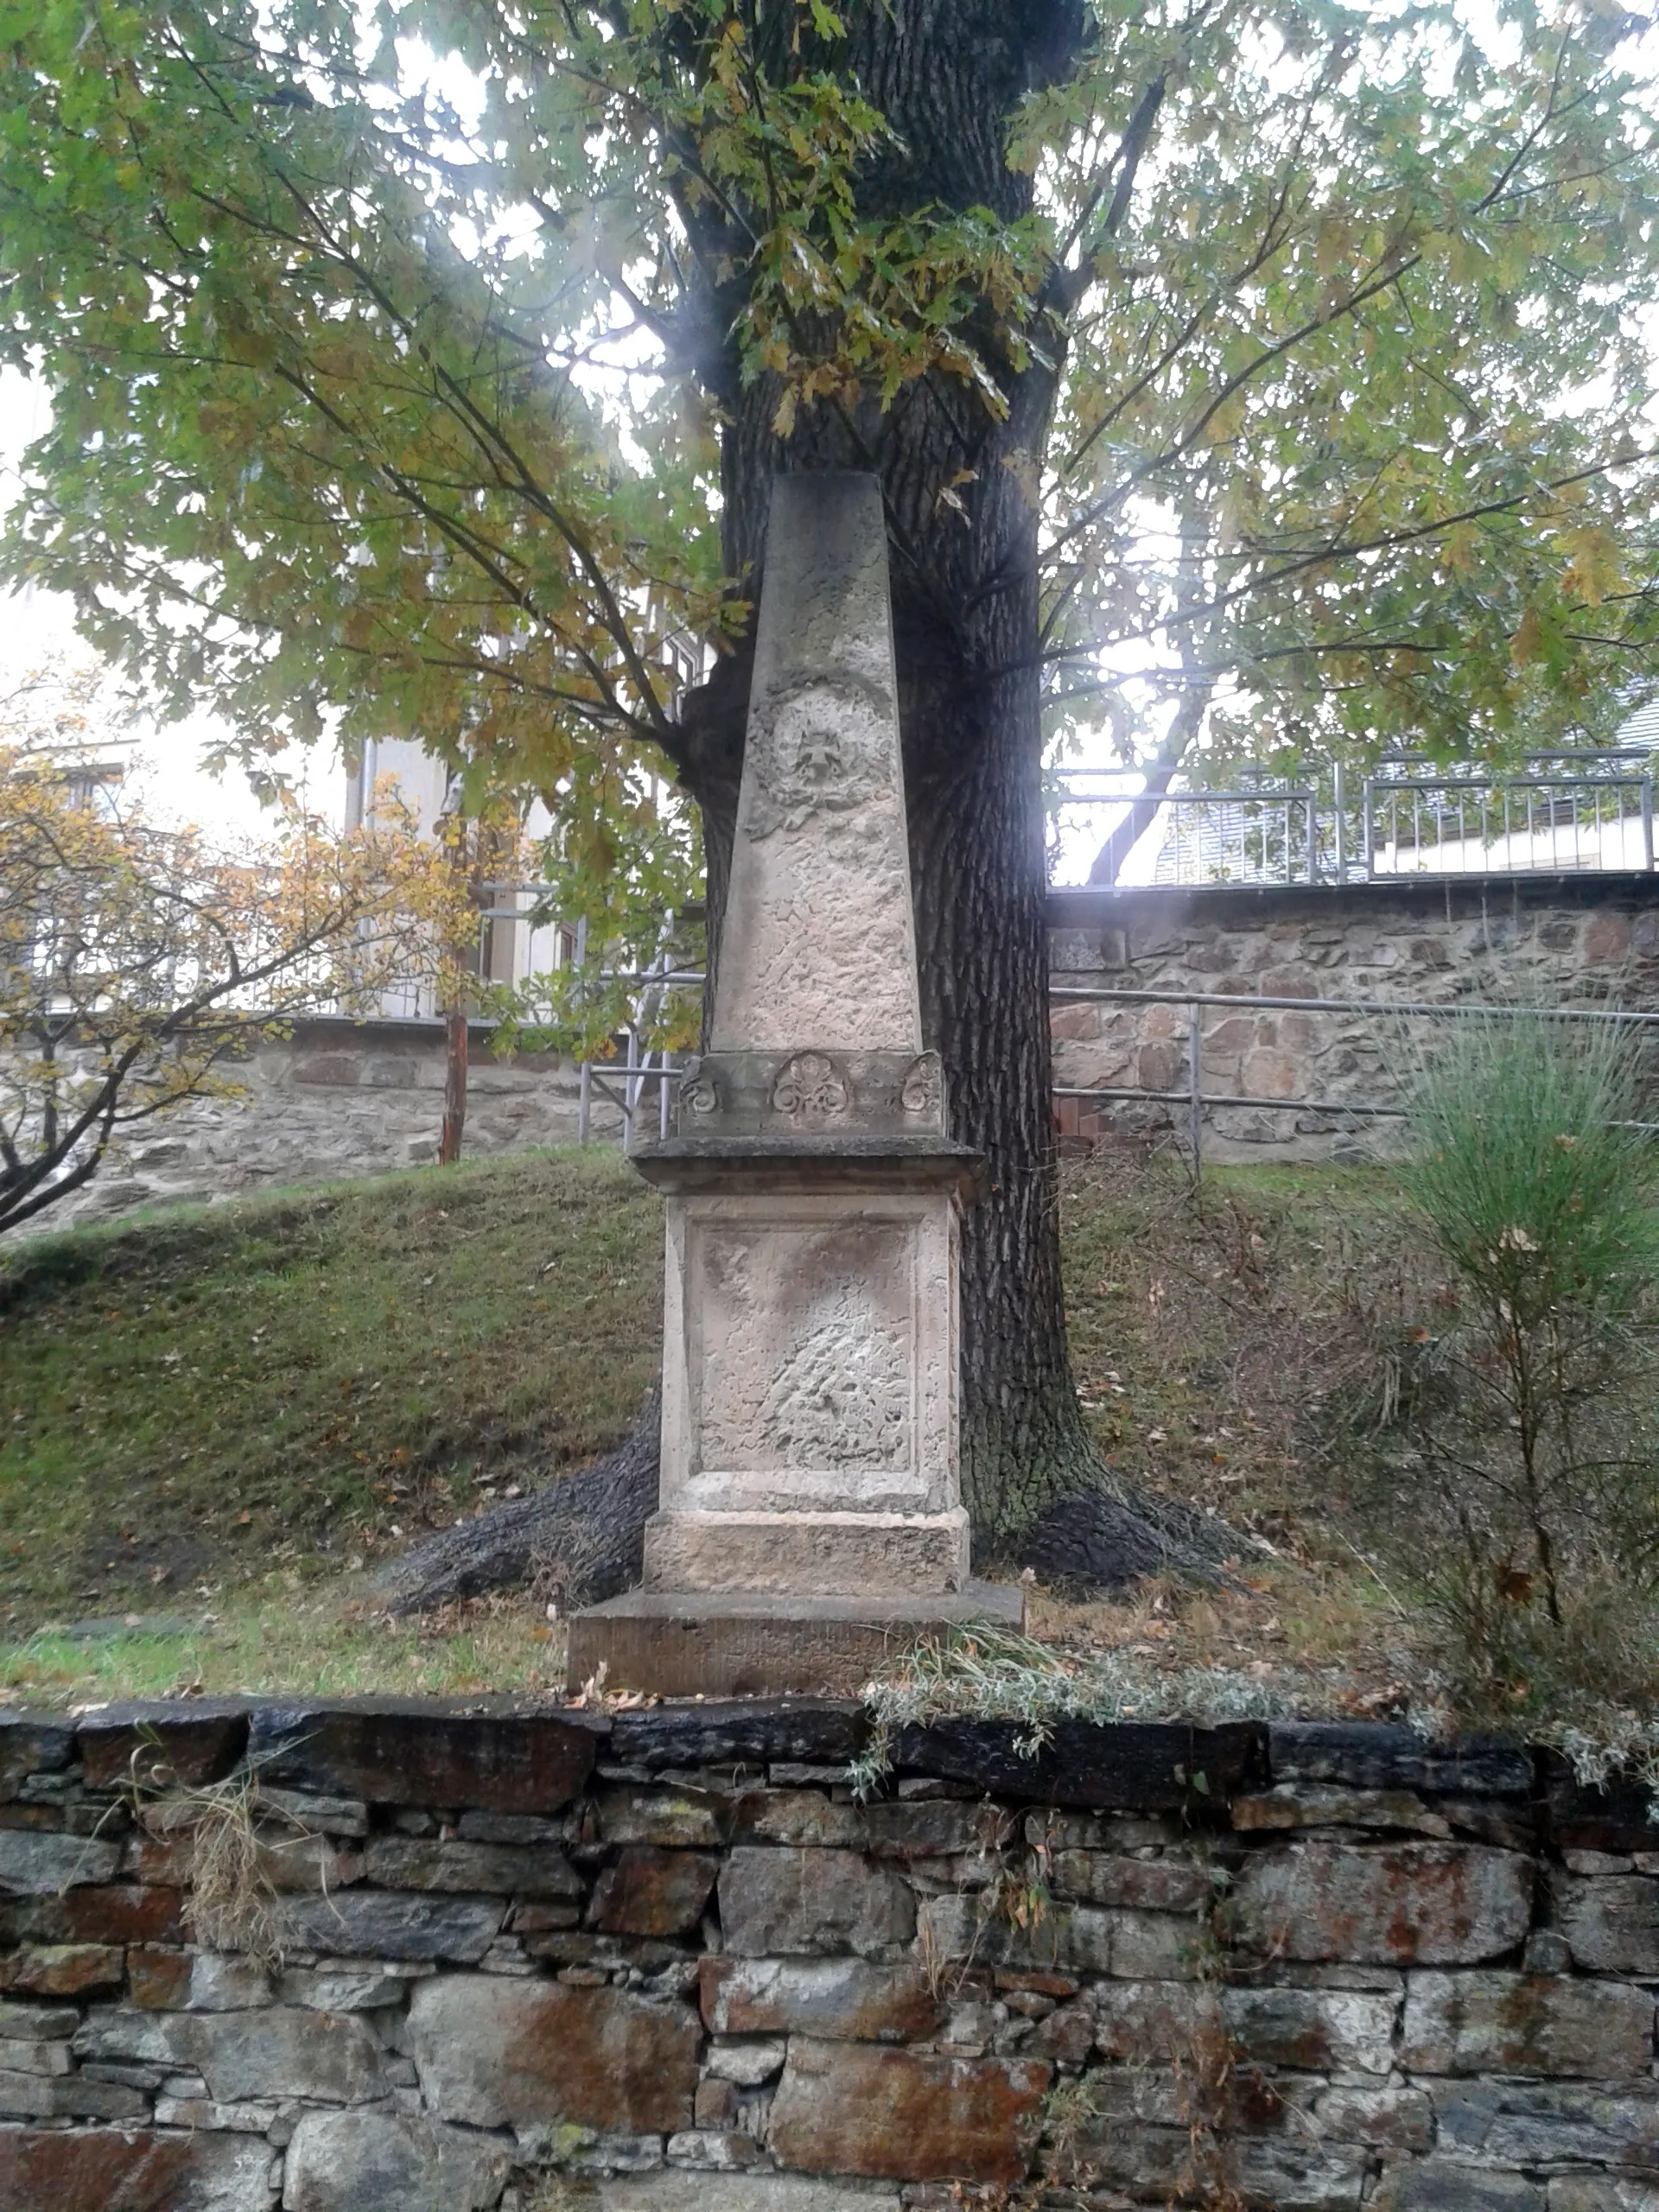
x: 819, y: 943
x: 810, y: 1370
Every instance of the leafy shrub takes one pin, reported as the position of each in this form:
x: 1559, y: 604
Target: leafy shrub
x: 1528, y: 1405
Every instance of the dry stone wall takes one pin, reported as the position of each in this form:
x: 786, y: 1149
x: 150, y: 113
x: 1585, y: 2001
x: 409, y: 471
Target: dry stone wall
x: 337, y: 1098
x: 668, y: 1962
x: 1568, y: 940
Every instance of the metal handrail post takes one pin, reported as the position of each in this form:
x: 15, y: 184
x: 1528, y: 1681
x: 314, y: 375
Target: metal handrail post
x: 1647, y: 820
x: 1313, y: 806
x: 1195, y: 1088
x: 630, y: 1089
x: 1366, y: 853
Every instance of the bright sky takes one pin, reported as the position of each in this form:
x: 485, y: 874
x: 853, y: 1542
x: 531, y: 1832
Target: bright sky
x: 37, y: 627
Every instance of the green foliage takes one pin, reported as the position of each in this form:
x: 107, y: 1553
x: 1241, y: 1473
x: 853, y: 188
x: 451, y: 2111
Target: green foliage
x: 391, y: 347
x: 621, y: 875
x: 1534, y: 1443
x: 1534, y: 1173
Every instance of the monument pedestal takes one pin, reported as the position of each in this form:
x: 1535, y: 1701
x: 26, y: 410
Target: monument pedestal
x: 810, y: 1509
x: 808, y: 1359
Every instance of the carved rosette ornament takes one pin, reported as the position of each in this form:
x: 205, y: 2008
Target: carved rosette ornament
x: 811, y: 1088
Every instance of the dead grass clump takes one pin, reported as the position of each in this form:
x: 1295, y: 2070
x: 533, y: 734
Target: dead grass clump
x: 232, y: 1897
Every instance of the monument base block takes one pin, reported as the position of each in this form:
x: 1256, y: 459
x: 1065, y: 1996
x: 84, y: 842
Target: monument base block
x: 740, y: 1643
x: 811, y: 1554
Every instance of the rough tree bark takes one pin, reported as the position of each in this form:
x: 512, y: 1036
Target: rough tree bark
x: 948, y: 75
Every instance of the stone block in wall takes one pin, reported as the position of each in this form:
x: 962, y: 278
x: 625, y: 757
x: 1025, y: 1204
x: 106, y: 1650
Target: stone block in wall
x: 857, y: 2108
x: 1400, y: 1904
x: 1526, y: 2024
x: 1292, y: 2176
x: 1147, y: 2160
x: 1393, y: 2117
x: 1107, y: 1878
x: 494, y: 2053
x: 1606, y: 936
x: 652, y: 1892
x: 134, y: 2170
x: 684, y: 2192
x: 285, y: 1861
x: 203, y: 1981
x: 390, y: 1924
x: 30, y: 1744
x: 339, y: 1988
x: 398, y: 1862
x: 1611, y: 1921
x: 1602, y: 2193
x: 1291, y: 1805
x: 1618, y: 1817
x: 388, y: 2162
x: 35, y: 2024
x: 1316, y: 2031
x: 1151, y: 2020
x: 671, y: 1818
x: 279, y: 2052
x: 798, y: 1817
x: 1367, y: 1755
x: 834, y: 2000
x: 1266, y: 1072
x: 122, y: 1912
x: 1547, y: 2123
x: 41, y: 1863
x: 752, y: 1731
x: 386, y: 1752
x: 1069, y: 1938
x: 162, y: 1745
x: 1087, y: 952
x: 1438, y: 2185
x: 1131, y: 1766
x: 67, y: 2096
x: 775, y: 1902
x: 62, y: 1970
x: 328, y: 1070
x: 927, y: 1828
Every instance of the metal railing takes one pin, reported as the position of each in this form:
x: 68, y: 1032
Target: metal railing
x: 1566, y: 811
x: 1594, y: 812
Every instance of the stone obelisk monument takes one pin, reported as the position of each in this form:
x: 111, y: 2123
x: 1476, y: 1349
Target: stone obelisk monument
x: 810, y: 1509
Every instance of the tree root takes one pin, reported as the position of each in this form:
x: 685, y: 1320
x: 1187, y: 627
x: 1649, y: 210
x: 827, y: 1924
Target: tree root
x: 1099, y: 1539
x: 581, y: 1539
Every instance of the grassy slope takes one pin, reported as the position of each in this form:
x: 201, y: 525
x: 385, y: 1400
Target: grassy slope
x: 197, y: 1404
x: 217, y: 1415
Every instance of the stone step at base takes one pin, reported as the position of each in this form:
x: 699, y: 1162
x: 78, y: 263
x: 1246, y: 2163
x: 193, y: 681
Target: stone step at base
x: 732, y: 1644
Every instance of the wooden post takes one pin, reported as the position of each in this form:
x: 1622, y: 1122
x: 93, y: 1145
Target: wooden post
x: 455, y: 1072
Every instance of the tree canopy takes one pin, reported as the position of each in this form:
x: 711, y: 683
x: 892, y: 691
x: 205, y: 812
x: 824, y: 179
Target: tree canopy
x: 391, y: 347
